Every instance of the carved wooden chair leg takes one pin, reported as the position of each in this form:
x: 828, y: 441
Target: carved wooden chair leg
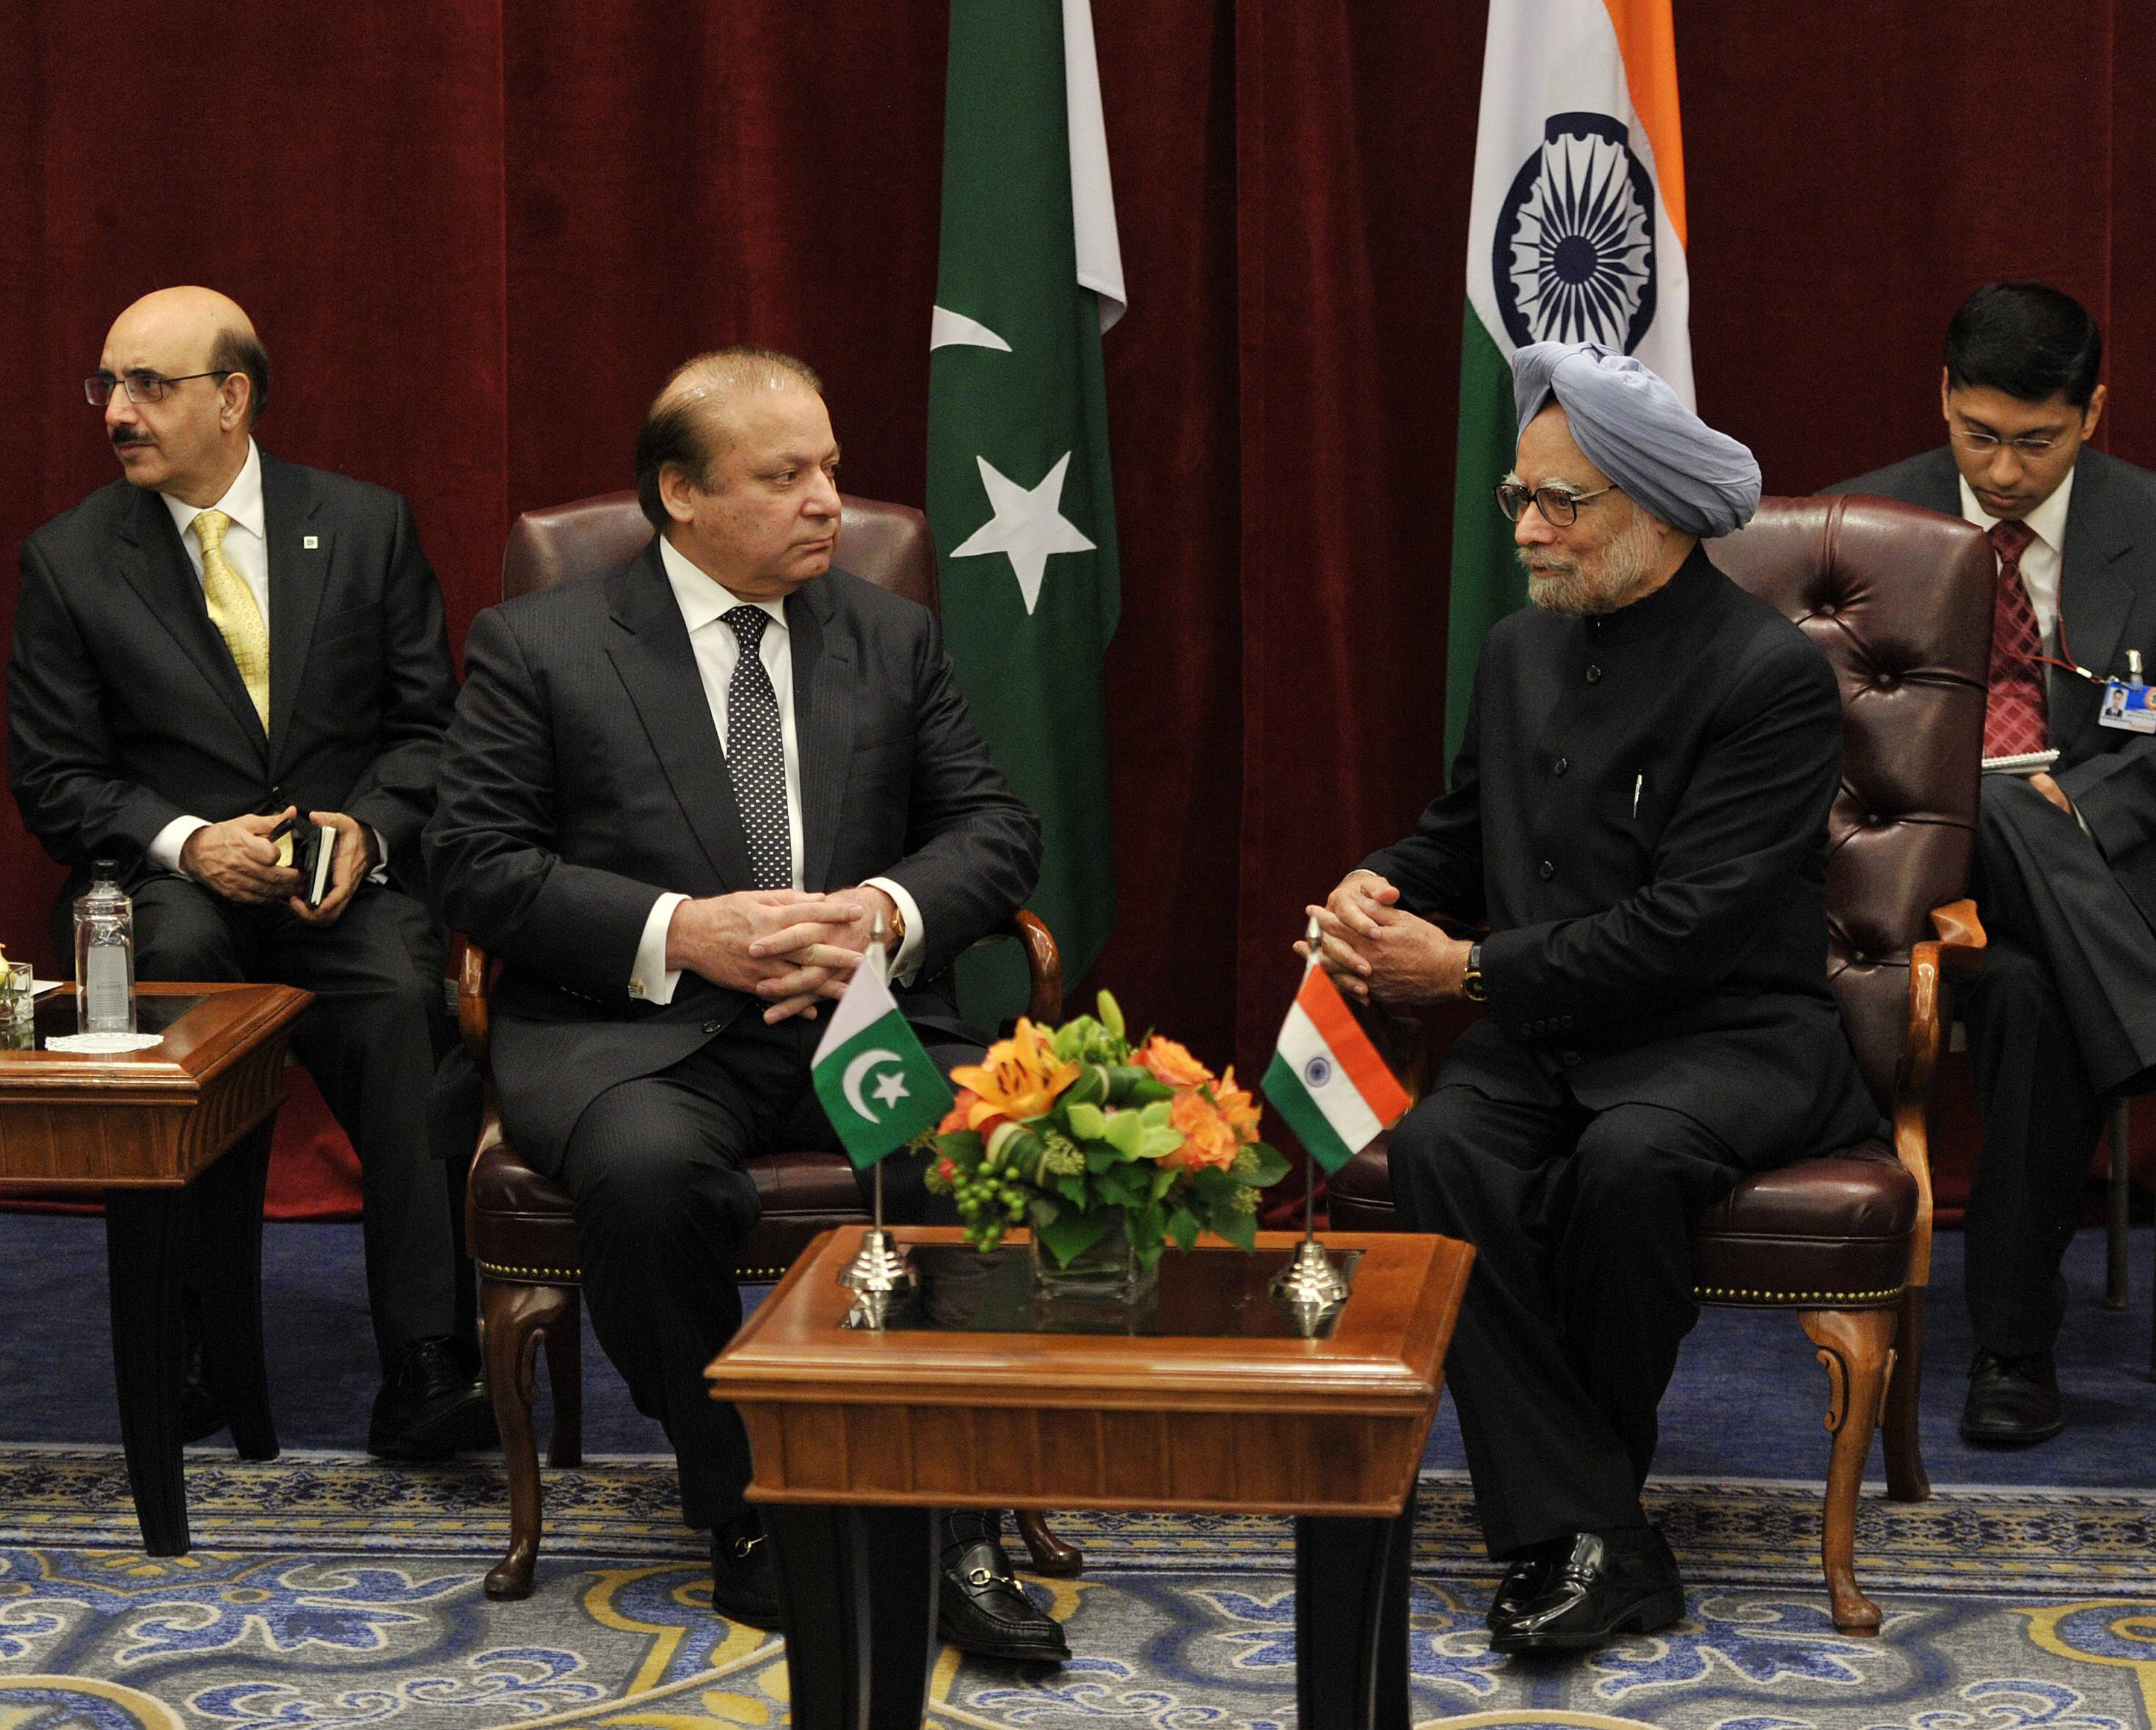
x: 1050, y: 1555
x: 512, y: 1318
x: 565, y: 1378
x: 1906, y: 1478
x: 1857, y: 1348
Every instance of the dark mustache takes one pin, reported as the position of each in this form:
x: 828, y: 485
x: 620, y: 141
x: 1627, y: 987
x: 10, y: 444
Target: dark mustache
x: 124, y: 436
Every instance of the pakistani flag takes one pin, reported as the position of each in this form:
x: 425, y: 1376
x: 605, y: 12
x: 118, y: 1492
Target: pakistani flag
x: 1576, y: 234
x: 877, y: 1084
x: 1019, y: 491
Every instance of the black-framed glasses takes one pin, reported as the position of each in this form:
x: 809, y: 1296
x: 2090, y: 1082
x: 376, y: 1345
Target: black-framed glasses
x: 141, y: 387
x: 1559, y: 505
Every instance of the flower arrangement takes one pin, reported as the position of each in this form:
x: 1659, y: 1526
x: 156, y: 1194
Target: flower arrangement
x: 1074, y: 1131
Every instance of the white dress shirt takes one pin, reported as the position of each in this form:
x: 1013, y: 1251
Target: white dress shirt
x: 704, y: 604
x: 2041, y: 559
x: 246, y: 548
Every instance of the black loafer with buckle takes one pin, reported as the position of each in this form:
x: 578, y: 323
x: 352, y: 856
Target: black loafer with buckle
x: 744, y: 1573
x: 982, y: 1610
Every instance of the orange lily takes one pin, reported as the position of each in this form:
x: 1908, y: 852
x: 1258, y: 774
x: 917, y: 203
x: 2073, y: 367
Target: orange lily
x: 1018, y: 1079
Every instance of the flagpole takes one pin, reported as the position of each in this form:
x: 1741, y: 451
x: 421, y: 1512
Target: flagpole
x: 1310, y: 1287
x: 880, y: 1276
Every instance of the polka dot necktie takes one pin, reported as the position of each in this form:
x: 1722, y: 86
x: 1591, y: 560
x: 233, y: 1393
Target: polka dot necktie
x: 232, y: 611
x: 2014, y: 715
x: 756, y: 755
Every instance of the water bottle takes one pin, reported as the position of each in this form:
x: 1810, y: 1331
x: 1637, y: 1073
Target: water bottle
x: 105, y: 954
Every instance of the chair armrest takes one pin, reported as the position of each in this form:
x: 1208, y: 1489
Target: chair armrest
x: 1044, y: 967
x: 474, y: 969
x: 1959, y: 948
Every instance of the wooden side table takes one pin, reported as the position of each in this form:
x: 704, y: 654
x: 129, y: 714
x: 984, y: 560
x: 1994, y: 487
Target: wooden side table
x: 861, y: 1438
x: 147, y: 1130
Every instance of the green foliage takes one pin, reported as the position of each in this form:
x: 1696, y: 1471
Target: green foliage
x: 1104, y: 1152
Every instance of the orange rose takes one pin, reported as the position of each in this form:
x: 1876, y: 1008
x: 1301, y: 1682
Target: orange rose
x: 1172, y: 1063
x: 1236, y: 1106
x: 959, y: 1117
x: 1208, y: 1137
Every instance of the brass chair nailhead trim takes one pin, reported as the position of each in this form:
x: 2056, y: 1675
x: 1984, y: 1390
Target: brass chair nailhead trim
x: 1710, y: 1292
x: 574, y: 1277
x: 550, y: 1275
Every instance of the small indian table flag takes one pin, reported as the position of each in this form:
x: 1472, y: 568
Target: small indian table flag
x: 1327, y: 1079
x: 876, y: 1083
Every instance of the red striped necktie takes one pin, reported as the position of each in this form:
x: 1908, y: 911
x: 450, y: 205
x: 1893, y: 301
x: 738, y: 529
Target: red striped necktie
x: 2013, y: 717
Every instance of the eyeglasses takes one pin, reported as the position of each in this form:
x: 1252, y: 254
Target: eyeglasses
x: 141, y: 387
x: 1559, y: 505
x: 1984, y: 443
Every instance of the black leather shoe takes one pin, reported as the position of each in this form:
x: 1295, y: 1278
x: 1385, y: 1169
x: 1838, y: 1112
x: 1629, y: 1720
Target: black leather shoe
x: 744, y: 1573
x: 1525, y: 1578
x: 429, y: 1408
x: 982, y: 1610
x: 2012, y: 1401
x: 1605, y: 1585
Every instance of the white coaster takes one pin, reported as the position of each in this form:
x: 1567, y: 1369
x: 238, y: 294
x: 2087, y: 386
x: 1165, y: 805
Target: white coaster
x: 103, y: 1045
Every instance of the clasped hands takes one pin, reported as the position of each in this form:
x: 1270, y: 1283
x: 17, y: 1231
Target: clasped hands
x: 237, y: 860
x: 1378, y: 952
x: 786, y: 945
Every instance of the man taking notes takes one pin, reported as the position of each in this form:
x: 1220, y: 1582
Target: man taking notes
x: 1638, y: 812
x: 2063, y: 1014
x: 678, y: 798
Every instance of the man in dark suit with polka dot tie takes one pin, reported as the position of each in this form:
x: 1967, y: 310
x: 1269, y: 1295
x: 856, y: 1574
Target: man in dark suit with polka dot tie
x: 678, y: 799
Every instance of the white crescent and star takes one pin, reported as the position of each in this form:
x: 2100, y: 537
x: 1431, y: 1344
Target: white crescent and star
x: 1028, y: 525
x: 891, y: 1090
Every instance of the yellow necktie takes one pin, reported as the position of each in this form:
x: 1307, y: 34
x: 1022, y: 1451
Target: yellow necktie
x: 232, y: 611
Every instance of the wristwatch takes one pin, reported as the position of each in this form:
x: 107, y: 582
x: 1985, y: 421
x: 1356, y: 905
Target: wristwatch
x: 895, y: 940
x: 1470, y: 984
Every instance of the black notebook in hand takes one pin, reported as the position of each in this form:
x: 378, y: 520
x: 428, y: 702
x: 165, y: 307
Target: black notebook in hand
x: 314, y: 850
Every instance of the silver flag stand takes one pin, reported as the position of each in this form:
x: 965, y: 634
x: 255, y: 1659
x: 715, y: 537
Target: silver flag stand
x: 1310, y: 1288
x: 880, y: 1275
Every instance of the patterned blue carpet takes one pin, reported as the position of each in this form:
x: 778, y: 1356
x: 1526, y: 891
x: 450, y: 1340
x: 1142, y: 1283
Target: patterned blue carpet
x: 328, y: 1592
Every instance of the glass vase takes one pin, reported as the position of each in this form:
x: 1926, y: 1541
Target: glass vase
x: 1102, y: 1289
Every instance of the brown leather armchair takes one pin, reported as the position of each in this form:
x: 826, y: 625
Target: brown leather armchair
x: 520, y: 1225
x: 1899, y: 599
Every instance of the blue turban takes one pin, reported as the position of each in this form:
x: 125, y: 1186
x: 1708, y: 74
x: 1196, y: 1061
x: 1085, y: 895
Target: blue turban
x: 1632, y: 426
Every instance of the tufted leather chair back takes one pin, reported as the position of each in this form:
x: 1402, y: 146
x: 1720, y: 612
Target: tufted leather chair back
x: 887, y: 545
x: 1899, y: 597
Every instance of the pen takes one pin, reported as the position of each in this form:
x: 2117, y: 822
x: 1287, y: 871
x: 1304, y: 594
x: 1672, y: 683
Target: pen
x: 1638, y: 782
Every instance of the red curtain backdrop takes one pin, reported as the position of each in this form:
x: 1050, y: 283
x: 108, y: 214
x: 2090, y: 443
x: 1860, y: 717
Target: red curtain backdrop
x: 475, y: 236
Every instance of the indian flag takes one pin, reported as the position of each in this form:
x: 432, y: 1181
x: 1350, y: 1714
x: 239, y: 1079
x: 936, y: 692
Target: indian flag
x: 877, y: 1086
x: 1576, y: 234
x: 1327, y: 1079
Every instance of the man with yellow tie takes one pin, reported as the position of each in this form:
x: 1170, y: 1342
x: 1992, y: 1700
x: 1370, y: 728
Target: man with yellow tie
x: 215, y: 643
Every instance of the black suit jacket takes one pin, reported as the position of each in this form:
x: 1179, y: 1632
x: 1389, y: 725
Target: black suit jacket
x: 2107, y: 605
x: 1639, y: 812
x: 124, y: 709
x: 583, y: 778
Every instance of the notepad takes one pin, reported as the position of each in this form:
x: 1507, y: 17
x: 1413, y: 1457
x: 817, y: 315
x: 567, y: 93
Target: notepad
x: 2028, y: 762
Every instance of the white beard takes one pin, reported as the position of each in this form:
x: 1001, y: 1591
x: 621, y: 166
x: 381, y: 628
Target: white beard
x: 1617, y: 576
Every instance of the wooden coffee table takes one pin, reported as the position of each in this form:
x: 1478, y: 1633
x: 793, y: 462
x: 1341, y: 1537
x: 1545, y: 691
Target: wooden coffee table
x: 146, y: 1131
x: 861, y: 1438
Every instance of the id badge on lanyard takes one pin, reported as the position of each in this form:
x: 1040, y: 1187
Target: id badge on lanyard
x: 2126, y: 706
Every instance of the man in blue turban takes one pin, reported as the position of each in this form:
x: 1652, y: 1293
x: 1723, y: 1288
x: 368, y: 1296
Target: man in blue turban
x: 1638, y: 815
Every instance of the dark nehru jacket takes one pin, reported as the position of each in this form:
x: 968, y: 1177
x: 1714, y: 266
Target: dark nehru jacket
x: 1638, y: 813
